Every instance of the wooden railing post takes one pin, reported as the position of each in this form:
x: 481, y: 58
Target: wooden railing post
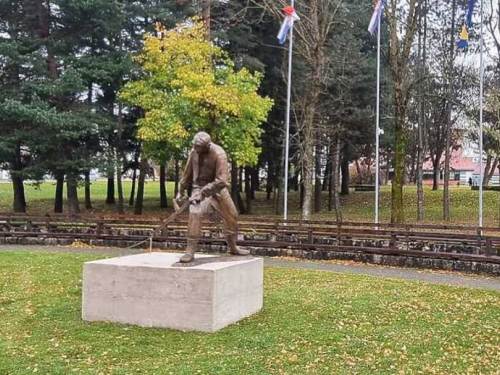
x: 100, y: 226
x: 479, y: 249
x: 393, y: 241
x: 47, y: 223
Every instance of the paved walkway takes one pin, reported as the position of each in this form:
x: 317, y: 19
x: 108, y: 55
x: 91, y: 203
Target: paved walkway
x: 479, y: 282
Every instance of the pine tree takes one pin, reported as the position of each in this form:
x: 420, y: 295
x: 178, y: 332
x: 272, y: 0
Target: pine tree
x: 42, y: 118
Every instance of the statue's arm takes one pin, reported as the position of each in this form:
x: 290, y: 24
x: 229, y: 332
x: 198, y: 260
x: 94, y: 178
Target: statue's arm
x: 221, y: 177
x: 187, y: 177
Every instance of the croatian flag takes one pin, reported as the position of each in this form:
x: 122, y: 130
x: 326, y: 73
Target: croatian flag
x: 376, y: 16
x: 291, y: 17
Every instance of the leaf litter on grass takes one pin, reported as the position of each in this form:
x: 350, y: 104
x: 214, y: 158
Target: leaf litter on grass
x: 312, y: 322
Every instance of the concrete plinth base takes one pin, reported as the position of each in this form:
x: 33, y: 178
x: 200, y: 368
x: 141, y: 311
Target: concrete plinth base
x: 151, y: 290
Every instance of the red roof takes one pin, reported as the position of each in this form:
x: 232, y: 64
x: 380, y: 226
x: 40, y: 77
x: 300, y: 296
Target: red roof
x: 457, y: 162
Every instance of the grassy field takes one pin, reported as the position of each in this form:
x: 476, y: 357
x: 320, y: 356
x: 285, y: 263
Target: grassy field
x: 40, y: 199
x: 313, y: 322
x: 358, y: 206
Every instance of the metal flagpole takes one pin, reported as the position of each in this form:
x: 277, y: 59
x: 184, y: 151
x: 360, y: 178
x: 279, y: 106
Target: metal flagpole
x: 377, y: 137
x: 288, y: 105
x: 481, y: 94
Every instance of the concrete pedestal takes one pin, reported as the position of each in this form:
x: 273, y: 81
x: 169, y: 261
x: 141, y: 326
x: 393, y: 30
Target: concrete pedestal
x: 151, y: 290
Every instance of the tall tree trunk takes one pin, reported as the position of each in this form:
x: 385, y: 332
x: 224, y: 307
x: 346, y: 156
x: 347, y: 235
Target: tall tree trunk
x: 422, y: 39
x: 72, y: 193
x: 270, y: 180
x: 43, y: 31
x: 177, y: 177
x: 344, y: 168
x: 401, y: 42
x: 58, y: 201
x: 234, y: 182
x: 489, y: 169
x: 499, y: 194
x: 86, y: 173
x: 413, y: 153
x: 397, y: 210
x: 248, y: 190
x: 19, y: 203
x: 312, y: 95
x: 331, y: 177
x: 301, y: 194
x: 318, y: 204
x: 134, y: 176
x: 359, y: 172
x: 110, y: 192
x: 420, y: 162
x: 388, y: 168
x: 132, y: 189
x: 120, y: 156
x: 446, y: 188
x: 335, y: 178
x: 235, y: 188
x: 307, y: 146
x: 307, y: 167
x: 328, y: 168
x: 495, y: 165
x: 163, y: 186
x: 293, y: 182
x: 255, y: 183
x: 279, y: 181
x: 278, y: 197
x: 488, y: 175
x: 436, y: 173
x: 139, y: 202
x: 206, y: 15
x: 88, y: 200
x: 90, y: 88
x: 312, y: 40
x: 240, y: 179
x: 119, y: 182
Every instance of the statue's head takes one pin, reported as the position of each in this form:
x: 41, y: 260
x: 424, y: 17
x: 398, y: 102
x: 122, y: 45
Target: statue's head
x: 201, y: 142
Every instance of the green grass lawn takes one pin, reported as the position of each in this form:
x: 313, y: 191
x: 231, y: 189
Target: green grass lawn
x: 312, y: 322
x: 40, y: 199
x: 357, y: 206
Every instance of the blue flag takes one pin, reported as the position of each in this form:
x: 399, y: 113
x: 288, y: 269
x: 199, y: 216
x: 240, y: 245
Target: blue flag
x: 464, y: 34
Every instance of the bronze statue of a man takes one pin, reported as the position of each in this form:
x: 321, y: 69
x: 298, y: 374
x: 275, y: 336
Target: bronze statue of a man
x: 207, y: 173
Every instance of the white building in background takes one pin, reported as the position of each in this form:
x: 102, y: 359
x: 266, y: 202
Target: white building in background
x: 464, y: 168
x: 4, y: 176
x: 94, y: 175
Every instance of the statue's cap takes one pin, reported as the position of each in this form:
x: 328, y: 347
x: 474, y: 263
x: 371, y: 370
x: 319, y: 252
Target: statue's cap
x: 202, y: 139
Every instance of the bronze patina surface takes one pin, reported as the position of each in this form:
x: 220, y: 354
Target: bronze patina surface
x: 206, y: 173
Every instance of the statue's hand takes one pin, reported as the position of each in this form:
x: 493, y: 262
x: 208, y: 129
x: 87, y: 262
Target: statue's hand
x: 208, y: 190
x: 180, y: 195
x: 196, y: 198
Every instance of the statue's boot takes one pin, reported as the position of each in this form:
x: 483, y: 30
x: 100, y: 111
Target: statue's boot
x: 233, y: 248
x: 192, y: 246
x: 193, y: 234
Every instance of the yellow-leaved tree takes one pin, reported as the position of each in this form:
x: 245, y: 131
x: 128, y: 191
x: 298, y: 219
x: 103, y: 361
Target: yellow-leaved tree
x: 188, y: 84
